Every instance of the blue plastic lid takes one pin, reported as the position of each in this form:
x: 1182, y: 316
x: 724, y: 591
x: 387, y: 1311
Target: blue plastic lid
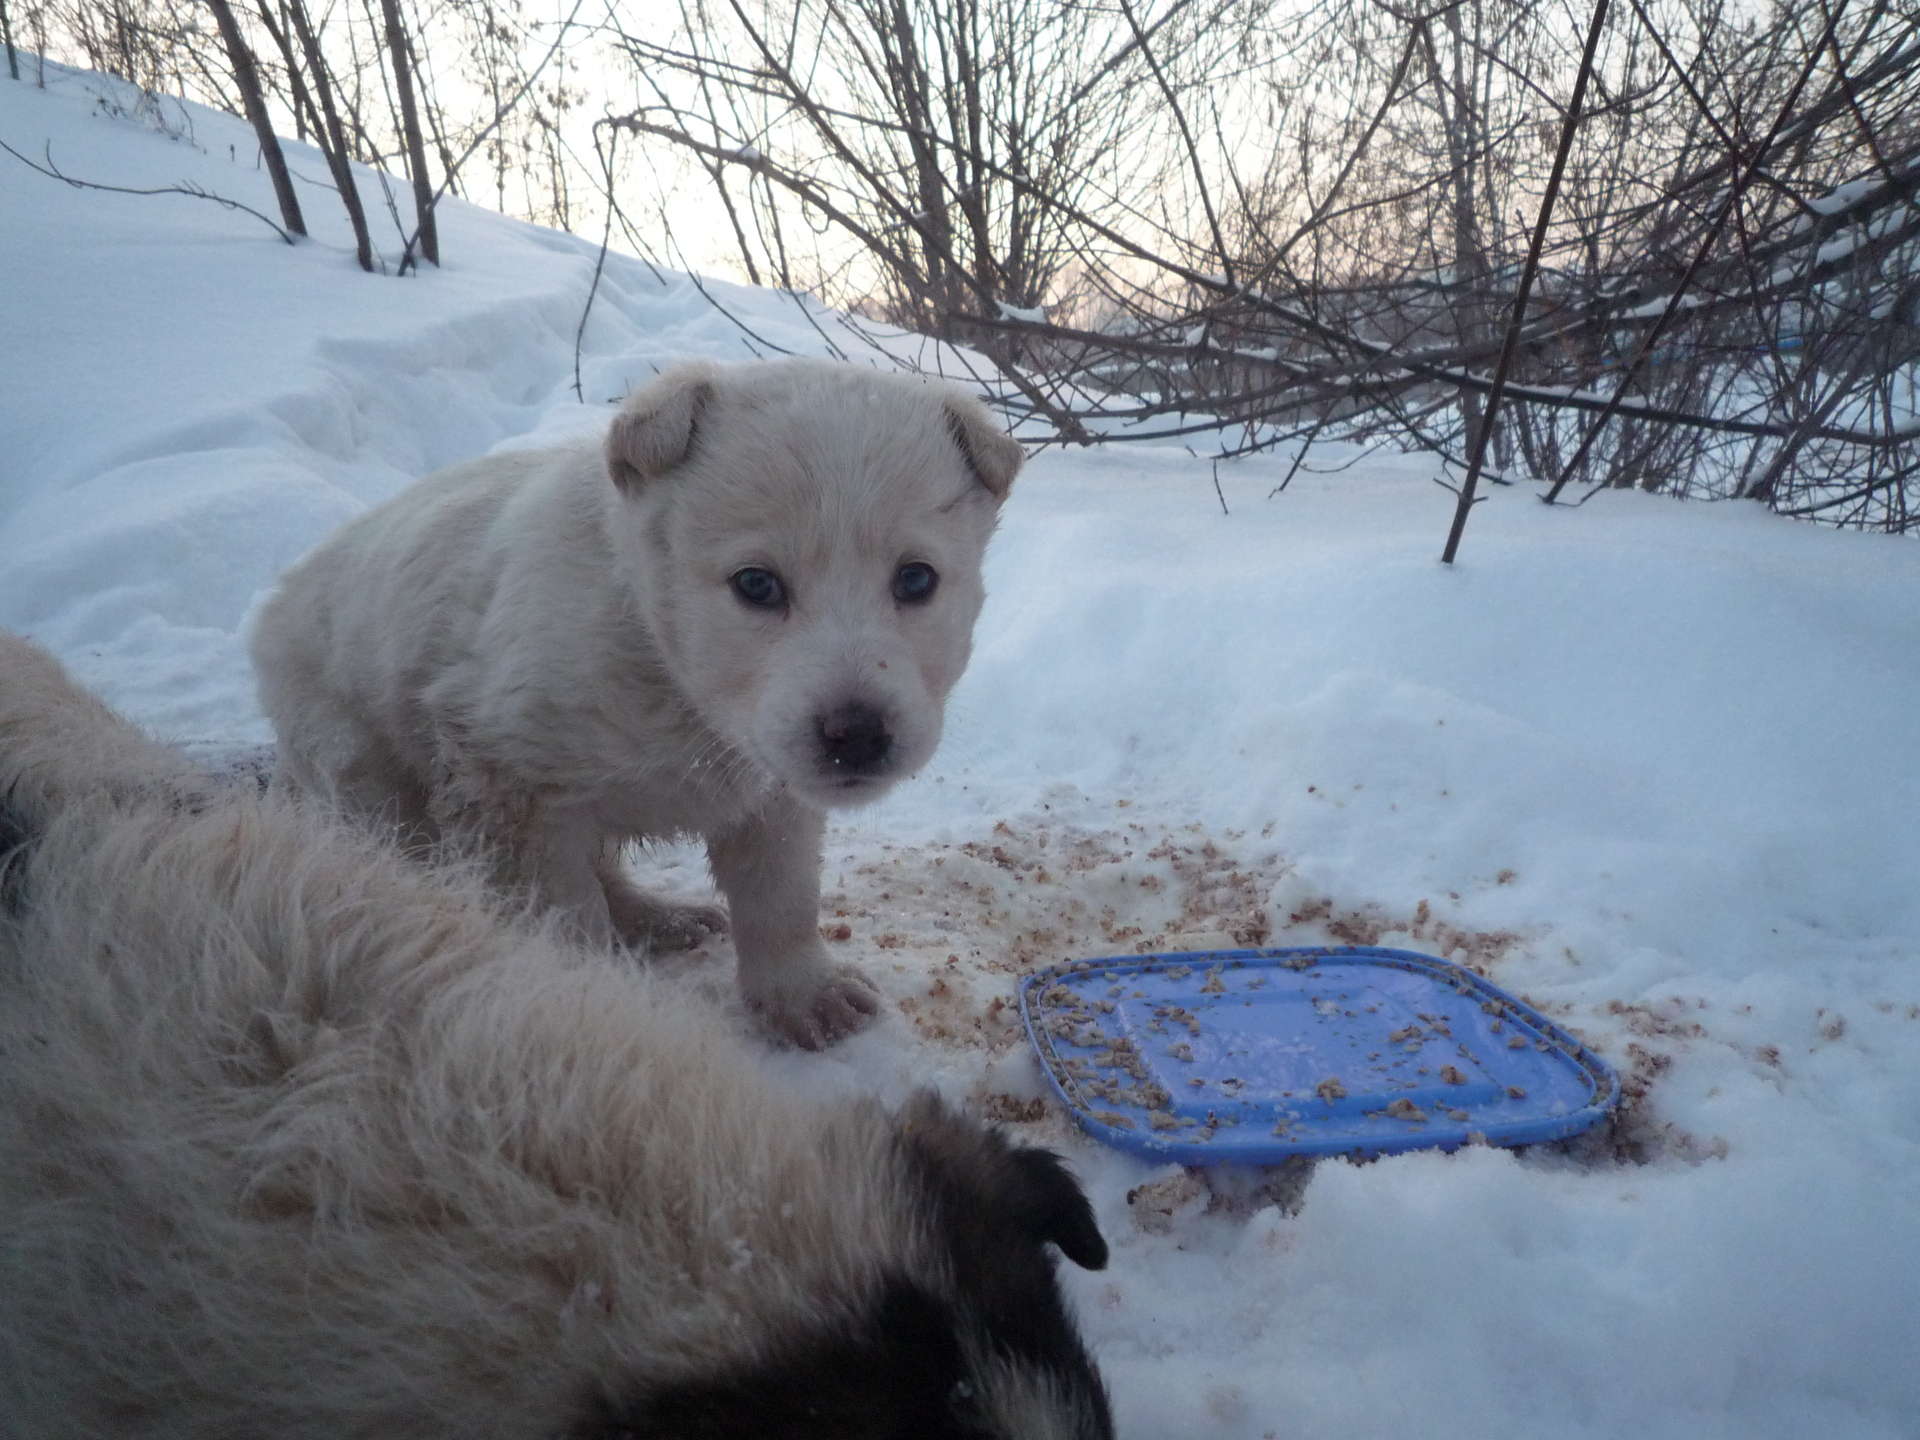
x: 1250, y: 1056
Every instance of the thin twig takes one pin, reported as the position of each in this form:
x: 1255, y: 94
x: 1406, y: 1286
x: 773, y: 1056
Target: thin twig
x: 53, y: 172
x: 599, y: 261
x: 499, y: 118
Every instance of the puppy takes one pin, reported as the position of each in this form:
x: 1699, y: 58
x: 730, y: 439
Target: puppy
x: 301, y: 1139
x: 747, y: 609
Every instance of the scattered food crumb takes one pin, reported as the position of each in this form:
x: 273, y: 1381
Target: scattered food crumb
x: 1154, y: 1205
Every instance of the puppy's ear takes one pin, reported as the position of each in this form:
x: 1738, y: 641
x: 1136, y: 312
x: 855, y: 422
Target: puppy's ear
x: 1053, y: 1207
x: 984, y: 1176
x: 993, y: 455
x: 656, y: 429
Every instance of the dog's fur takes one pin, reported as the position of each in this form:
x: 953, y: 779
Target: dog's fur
x: 301, y: 1139
x: 545, y: 656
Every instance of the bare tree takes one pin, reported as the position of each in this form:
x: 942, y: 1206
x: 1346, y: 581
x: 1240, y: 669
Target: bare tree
x: 332, y: 135
x: 1723, y: 303
x: 1481, y: 426
x: 351, y: 78
x: 246, y: 75
x: 400, y: 61
x: 909, y: 149
x: 1214, y: 222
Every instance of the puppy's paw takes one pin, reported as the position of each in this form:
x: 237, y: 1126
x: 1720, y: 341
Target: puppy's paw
x: 681, y: 927
x: 649, y: 924
x: 820, y: 1008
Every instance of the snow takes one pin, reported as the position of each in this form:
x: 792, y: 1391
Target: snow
x: 1856, y: 194
x: 1650, y: 765
x: 1658, y: 306
x: 1843, y: 197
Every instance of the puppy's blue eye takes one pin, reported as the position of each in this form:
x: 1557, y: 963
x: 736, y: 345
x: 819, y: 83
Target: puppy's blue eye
x: 759, y: 588
x: 915, y: 582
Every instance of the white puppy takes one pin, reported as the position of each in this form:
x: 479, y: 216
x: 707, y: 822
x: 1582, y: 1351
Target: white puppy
x: 748, y: 609
x: 301, y: 1140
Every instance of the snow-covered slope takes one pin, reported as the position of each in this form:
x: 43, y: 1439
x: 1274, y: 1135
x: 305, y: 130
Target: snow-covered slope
x: 1654, y: 767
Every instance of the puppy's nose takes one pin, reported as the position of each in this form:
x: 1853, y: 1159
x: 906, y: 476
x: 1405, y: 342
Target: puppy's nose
x: 855, y: 739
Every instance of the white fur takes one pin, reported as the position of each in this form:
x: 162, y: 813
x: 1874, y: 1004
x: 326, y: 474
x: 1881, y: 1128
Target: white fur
x: 301, y: 1139
x: 542, y: 654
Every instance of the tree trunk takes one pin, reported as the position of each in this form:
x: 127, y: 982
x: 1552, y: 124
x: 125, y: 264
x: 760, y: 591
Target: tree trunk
x: 399, y: 54
x: 247, y: 76
x: 6, y: 36
x: 334, y: 141
x: 305, y: 116
x: 1471, y: 271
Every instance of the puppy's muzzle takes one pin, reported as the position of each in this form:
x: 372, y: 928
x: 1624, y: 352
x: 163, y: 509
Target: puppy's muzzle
x: 855, y: 741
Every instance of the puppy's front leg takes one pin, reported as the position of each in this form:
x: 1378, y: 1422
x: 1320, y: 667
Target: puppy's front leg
x: 769, y: 868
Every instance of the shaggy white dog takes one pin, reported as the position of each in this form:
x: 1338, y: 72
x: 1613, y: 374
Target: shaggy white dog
x: 748, y: 609
x: 302, y: 1140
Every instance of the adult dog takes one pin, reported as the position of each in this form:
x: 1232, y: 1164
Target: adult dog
x: 301, y: 1139
x: 747, y: 609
